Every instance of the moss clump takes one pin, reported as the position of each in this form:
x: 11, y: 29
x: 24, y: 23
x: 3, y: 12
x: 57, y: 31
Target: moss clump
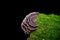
x: 48, y: 27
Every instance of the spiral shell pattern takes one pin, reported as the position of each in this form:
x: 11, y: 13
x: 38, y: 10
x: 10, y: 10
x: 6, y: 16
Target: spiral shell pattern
x: 28, y: 24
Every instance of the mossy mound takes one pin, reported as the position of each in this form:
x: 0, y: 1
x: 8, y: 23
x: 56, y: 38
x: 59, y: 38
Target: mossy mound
x: 48, y: 27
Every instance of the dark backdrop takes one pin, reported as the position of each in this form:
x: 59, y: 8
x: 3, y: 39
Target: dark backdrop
x: 23, y: 8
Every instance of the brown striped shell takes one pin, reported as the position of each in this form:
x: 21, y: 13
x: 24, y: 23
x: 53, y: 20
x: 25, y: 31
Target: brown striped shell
x: 28, y: 24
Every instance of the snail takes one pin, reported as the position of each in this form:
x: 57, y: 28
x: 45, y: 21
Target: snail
x: 28, y: 24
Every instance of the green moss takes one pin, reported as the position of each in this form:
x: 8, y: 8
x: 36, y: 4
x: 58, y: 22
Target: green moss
x: 48, y: 27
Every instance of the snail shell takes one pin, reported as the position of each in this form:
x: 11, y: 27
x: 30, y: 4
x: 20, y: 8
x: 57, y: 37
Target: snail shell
x: 28, y: 24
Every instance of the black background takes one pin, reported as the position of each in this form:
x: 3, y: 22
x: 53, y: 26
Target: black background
x: 25, y: 7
